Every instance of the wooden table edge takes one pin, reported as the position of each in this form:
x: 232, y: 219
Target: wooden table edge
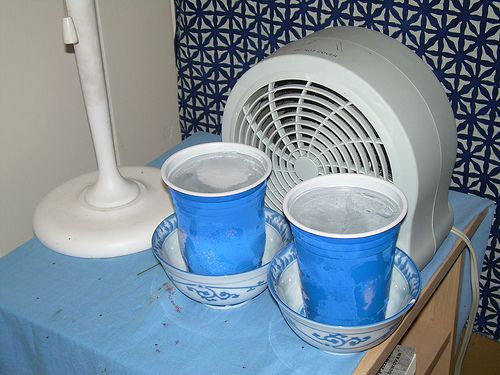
x: 375, y: 357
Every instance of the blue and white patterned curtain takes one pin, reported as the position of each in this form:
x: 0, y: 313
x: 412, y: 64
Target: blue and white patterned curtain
x: 217, y: 41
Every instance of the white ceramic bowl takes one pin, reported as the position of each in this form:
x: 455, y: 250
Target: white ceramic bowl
x: 284, y: 285
x: 218, y: 291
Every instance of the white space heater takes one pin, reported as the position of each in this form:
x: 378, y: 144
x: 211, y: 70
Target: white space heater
x: 352, y: 100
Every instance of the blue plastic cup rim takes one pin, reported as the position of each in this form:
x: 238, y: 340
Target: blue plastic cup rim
x: 174, y: 161
x: 347, y: 180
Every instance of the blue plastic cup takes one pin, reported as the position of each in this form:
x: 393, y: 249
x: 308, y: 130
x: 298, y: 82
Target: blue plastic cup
x: 218, y: 191
x: 345, y: 228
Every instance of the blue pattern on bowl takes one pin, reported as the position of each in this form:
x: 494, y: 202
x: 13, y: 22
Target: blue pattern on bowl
x: 218, y: 291
x: 284, y: 285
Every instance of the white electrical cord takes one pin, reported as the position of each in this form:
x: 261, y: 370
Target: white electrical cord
x: 474, y: 280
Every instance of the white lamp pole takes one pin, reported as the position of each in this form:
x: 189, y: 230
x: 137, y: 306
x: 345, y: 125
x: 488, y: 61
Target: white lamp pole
x: 111, y: 189
x: 112, y: 211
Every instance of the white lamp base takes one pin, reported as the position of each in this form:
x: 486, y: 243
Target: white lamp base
x: 66, y: 223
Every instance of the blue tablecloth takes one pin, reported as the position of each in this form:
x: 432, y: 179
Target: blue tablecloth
x: 65, y: 315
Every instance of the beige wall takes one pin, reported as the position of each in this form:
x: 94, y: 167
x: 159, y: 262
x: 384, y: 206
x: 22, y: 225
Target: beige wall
x: 44, y: 135
x: 139, y: 60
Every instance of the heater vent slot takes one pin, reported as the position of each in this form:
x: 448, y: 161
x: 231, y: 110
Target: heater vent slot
x: 309, y: 130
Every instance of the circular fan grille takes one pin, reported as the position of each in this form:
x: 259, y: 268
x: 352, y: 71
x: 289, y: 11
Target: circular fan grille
x: 308, y: 130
